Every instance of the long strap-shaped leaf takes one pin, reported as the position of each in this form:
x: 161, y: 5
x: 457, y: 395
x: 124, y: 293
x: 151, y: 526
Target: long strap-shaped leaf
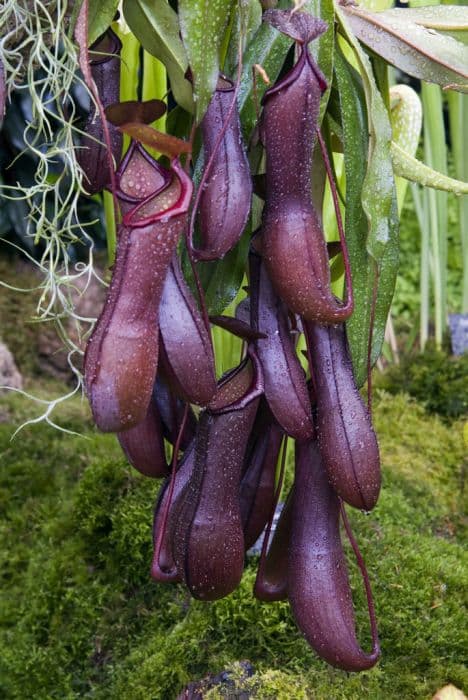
x: 423, y: 53
x: 372, y: 244
x: 412, y: 169
x: 203, y: 23
x: 100, y: 15
x: 155, y: 25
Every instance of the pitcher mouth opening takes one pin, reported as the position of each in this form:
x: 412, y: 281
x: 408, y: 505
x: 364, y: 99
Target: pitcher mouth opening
x: 132, y: 220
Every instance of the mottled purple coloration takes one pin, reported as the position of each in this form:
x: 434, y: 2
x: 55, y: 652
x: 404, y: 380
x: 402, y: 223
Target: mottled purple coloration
x: 92, y: 154
x: 284, y: 378
x: 272, y: 576
x: 318, y: 585
x: 347, y: 440
x: 163, y: 568
x: 143, y: 445
x: 226, y: 196
x: 122, y: 353
x: 293, y: 244
x: 209, y: 542
x: 188, y: 353
x: 209, y: 539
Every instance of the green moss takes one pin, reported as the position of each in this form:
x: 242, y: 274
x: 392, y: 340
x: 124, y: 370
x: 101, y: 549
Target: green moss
x: 17, y: 310
x: 270, y: 685
x: 80, y: 617
x: 438, y: 380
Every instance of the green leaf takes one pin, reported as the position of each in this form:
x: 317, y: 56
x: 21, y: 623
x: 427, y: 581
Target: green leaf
x: 370, y: 191
x: 415, y: 49
x: 442, y: 18
x: 221, y: 279
x: 203, y: 23
x: 268, y: 48
x: 356, y: 145
x: 376, y: 5
x: 412, y: 169
x: 458, y: 117
x: 246, y: 23
x: 100, y: 15
x: 406, y: 118
x: 455, y: 23
x: 323, y: 48
x: 156, y: 27
x: 460, y: 35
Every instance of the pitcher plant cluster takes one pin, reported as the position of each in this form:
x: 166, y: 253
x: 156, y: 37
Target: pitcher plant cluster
x: 271, y: 192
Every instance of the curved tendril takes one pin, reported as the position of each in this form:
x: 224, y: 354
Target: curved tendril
x: 370, y: 338
x: 365, y: 577
x: 349, y: 305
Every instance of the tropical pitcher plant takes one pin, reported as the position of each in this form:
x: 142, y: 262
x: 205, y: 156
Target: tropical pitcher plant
x: 249, y: 157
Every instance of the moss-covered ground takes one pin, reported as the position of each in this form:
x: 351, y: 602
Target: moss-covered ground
x: 80, y: 617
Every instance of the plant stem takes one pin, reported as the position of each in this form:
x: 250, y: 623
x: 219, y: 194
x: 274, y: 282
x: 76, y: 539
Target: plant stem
x: 458, y: 113
x: 111, y: 231
x: 435, y: 156
x: 424, y: 277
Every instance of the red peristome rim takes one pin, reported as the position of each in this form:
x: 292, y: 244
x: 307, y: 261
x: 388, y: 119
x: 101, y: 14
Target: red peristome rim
x: 255, y: 390
x: 180, y: 207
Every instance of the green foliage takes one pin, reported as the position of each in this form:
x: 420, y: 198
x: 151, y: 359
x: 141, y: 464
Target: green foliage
x: 203, y: 25
x: 374, y: 250
x: 438, y: 380
x: 155, y: 25
x: 100, y: 15
x: 402, y: 39
x: 79, y: 615
x: 407, y: 297
x: 270, y: 685
x: 222, y: 279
